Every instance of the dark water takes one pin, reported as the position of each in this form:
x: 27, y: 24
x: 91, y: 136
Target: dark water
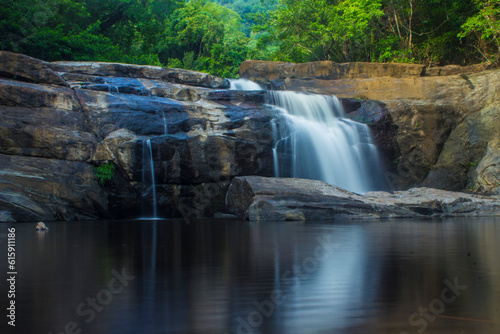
x: 438, y: 276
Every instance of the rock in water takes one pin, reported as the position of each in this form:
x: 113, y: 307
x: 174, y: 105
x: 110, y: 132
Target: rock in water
x: 40, y: 226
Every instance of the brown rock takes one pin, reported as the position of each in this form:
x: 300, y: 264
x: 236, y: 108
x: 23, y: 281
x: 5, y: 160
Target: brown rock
x: 486, y: 176
x: 28, y: 95
x: 25, y: 68
x: 268, y: 71
x: 180, y: 76
x: 43, y: 121
x: 440, y: 125
x: 120, y: 147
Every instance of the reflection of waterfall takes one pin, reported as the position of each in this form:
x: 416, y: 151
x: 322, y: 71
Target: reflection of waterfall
x: 315, y: 141
x: 148, y: 168
x: 244, y: 84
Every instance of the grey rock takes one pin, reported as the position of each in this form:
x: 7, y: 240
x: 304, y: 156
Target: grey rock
x: 175, y: 75
x: 25, y: 68
x: 261, y: 199
x: 34, y: 189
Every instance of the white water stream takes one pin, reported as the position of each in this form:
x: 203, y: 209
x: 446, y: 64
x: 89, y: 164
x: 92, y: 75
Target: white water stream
x: 323, y: 144
x: 314, y: 140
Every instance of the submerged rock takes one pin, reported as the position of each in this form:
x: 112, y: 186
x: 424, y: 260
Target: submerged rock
x: 40, y: 226
x: 260, y: 198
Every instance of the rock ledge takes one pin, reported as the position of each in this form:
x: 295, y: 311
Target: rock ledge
x: 262, y: 198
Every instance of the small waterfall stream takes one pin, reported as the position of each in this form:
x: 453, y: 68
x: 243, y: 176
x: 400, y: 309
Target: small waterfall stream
x: 165, y: 127
x: 243, y: 84
x: 148, y: 168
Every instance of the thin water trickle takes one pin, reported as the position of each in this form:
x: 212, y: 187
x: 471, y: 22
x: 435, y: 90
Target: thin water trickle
x: 113, y: 89
x: 148, y: 165
x: 275, y: 148
x: 165, y: 128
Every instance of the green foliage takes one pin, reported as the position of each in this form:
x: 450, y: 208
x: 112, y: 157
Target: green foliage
x: 110, y: 30
x: 308, y: 30
x: 104, y: 173
x: 249, y: 10
x: 409, y: 31
x: 205, y: 36
x: 216, y: 36
x: 486, y: 24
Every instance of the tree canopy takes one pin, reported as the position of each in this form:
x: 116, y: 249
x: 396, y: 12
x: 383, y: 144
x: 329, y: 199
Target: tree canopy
x: 216, y: 36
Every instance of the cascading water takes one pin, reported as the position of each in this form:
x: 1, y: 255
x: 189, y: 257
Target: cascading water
x: 315, y: 141
x: 113, y: 89
x: 243, y: 84
x: 148, y: 168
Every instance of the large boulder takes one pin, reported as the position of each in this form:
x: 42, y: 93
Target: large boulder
x: 176, y: 75
x: 486, y: 176
x: 259, y: 198
x: 25, y: 68
x: 268, y: 71
x: 35, y: 189
x: 119, y: 147
x: 43, y: 121
x: 322, y: 74
x: 468, y: 157
x: 199, y: 139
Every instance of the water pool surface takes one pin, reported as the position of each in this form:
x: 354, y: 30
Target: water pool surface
x: 224, y: 276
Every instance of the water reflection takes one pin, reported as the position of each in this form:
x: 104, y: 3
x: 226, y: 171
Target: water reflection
x: 241, y: 277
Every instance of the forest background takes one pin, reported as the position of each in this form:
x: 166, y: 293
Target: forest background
x: 216, y: 36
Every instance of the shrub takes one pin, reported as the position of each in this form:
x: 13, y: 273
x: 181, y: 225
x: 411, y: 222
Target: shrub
x: 104, y: 173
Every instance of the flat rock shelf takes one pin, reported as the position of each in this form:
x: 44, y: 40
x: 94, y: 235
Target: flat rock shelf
x: 265, y: 199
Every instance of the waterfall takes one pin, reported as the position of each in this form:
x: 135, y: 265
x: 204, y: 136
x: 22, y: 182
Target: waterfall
x: 243, y: 84
x: 316, y: 141
x: 148, y: 165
